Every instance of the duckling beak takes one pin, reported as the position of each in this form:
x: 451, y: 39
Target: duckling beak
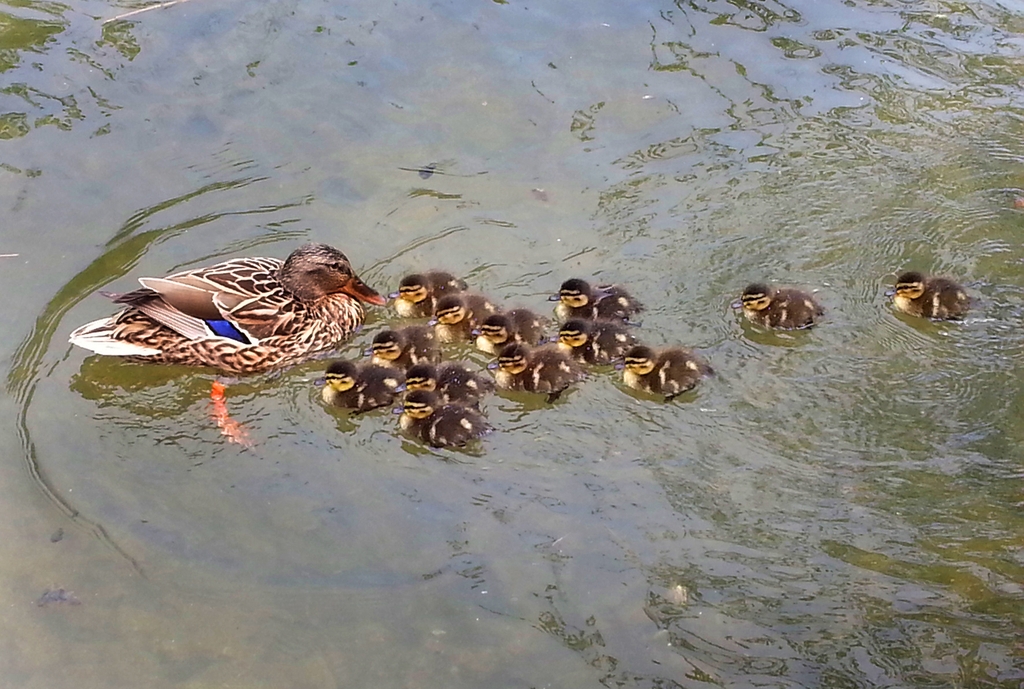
x: 493, y: 366
x: 393, y: 295
x: 358, y: 289
x: 891, y: 292
x: 552, y: 338
x: 476, y: 332
x: 368, y: 351
x: 738, y: 304
x: 432, y: 321
x: 320, y: 382
x: 397, y: 410
x: 554, y: 297
x: 400, y: 388
x: 619, y: 365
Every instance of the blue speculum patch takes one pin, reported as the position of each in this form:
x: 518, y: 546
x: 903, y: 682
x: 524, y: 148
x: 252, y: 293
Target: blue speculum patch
x: 226, y: 329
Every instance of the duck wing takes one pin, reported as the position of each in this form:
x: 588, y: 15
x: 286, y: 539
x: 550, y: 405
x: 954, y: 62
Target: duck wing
x: 239, y: 299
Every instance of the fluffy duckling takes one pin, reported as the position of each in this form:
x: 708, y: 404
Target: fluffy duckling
x: 783, y: 308
x: 514, y: 325
x: 577, y: 299
x: 405, y: 347
x: 930, y: 297
x: 452, y: 382
x: 544, y: 369
x: 457, y: 315
x: 424, y: 415
x: 418, y: 293
x: 360, y: 388
x: 599, y: 342
x: 667, y: 372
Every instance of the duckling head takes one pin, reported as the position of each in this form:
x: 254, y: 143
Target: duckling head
x: 910, y: 285
x: 387, y: 345
x: 574, y: 293
x: 640, y: 360
x: 756, y: 297
x: 495, y: 329
x: 413, y: 288
x: 419, y: 404
x: 340, y: 377
x: 450, y: 310
x: 421, y: 377
x: 574, y: 333
x: 512, y: 359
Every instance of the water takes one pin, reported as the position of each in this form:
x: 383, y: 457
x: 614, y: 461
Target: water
x: 840, y: 507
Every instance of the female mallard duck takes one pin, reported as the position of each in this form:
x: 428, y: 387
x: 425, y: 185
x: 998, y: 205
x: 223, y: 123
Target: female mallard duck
x: 457, y: 315
x: 595, y: 342
x: 578, y: 299
x: 783, y: 308
x: 544, y: 369
x: 360, y: 387
x: 514, y: 325
x: 424, y: 415
x: 452, y: 382
x: 667, y: 372
x: 930, y: 297
x: 405, y: 347
x: 418, y: 293
x: 245, y: 315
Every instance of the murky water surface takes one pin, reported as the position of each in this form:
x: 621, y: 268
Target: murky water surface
x: 840, y: 507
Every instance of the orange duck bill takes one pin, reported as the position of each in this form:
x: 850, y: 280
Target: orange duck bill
x: 358, y: 289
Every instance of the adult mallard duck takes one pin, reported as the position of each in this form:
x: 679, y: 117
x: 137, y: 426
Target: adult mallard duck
x: 241, y: 316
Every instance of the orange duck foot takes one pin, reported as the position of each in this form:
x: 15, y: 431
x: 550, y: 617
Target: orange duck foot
x: 234, y: 431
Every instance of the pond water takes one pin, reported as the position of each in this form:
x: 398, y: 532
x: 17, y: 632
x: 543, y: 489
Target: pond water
x: 840, y: 507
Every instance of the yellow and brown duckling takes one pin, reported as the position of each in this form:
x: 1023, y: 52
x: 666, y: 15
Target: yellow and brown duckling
x: 543, y: 369
x: 598, y: 342
x: 418, y: 293
x: 578, y: 299
x: 452, y: 382
x: 514, y: 325
x: 440, y: 425
x: 457, y: 315
x: 782, y: 308
x: 405, y: 347
x: 930, y: 297
x: 360, y: 387
x: 667, y: 372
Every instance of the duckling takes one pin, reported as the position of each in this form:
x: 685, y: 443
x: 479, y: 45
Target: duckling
x: 405, y: 347
x: 544, y: 369
x: 667, y: 372
x: 452, y: 382
x: 360, y: 388
x: 598, y: 342
x: 514, y: 325
x: 577, y: 299
x: 441, y: 426
x: 456, y: 315
x: 418, y: 293
x: 782, y: 308
x: 930, y: 297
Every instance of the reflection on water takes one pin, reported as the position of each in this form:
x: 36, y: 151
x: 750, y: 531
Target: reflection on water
x: 837, y: 507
